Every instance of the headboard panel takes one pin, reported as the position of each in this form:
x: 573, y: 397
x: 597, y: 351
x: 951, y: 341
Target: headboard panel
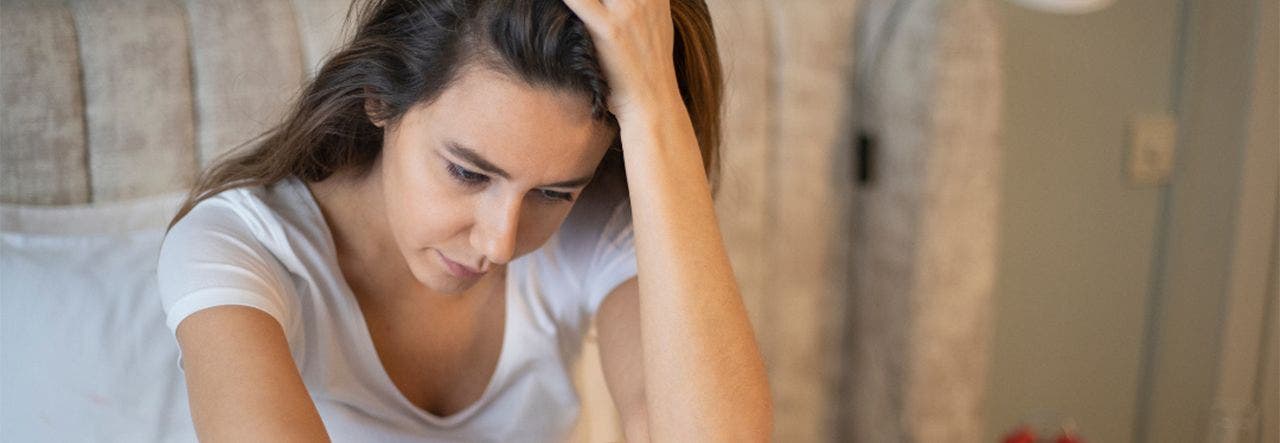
x: 42, y: 141
x: 137, y: 96
x: 107, y: 101
x: 247, y: 63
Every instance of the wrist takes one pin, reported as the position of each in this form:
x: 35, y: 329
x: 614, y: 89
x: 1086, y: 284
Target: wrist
x: 651, y: 103
x: 654, y: 113
x: 653, y: 124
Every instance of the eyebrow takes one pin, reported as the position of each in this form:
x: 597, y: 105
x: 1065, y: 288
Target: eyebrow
x: 471, y: 156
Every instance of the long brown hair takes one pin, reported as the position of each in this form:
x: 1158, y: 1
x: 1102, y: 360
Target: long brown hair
x: 406, y: 52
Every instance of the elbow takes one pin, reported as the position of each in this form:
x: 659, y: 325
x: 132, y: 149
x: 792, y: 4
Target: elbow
x: 747, y: 422
x: 751, y: 422
x: 760, y: 426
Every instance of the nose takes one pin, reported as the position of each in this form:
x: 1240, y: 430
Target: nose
x: 494, y: 234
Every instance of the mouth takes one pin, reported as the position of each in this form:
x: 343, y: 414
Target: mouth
x: 459, y: 270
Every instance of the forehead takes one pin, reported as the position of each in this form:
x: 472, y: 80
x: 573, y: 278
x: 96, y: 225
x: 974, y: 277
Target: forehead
x: 534, y: 130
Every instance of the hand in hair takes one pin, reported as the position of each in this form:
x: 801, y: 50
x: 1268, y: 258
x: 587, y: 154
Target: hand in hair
x: 634, y: 41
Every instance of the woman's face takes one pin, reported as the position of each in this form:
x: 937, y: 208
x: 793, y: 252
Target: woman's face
x: 484, y: 174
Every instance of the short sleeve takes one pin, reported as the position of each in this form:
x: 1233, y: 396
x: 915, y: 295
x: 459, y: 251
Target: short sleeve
x: 211, y: 258
x: 589, y: 256
x: 613, y: 261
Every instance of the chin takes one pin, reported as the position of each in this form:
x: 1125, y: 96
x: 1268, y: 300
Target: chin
x: 439, y: 281
x: 455, y: 287
x: 436, y: 277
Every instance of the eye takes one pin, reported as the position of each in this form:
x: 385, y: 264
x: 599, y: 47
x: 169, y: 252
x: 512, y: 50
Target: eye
x: 556, y: 196
x: 464, y: 176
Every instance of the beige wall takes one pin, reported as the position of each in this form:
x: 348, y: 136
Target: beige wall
x: 1077, y: 240
x: 1191, y: 326
x: 1112, y: 297
x: 1245, y: 385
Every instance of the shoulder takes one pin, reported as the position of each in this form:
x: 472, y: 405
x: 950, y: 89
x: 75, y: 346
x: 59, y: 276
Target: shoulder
x: 257, y: 210
x: 596, y: 246
x: 280, y: 217
x: 231, y: 248
x: 601, y: 216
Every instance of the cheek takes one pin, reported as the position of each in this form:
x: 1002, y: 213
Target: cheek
x: 424, y: 220
x: 421, y: 208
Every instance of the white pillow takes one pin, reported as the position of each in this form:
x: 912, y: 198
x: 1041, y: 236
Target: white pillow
x: 84, y: 351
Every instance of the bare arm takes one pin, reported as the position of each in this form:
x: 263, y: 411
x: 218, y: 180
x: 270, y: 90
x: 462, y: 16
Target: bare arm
x: 704, y: 378
x: 242, y: 382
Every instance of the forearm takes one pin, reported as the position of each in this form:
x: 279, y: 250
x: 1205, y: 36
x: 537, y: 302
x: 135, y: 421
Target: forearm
x: 704, y: 377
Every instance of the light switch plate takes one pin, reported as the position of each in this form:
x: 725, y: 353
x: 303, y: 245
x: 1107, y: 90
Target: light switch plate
x: 1152, y: 139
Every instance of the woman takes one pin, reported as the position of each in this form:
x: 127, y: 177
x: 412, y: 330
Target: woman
x: 415, y: 252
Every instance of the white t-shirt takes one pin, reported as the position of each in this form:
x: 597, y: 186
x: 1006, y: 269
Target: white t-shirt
x: 270, y: 248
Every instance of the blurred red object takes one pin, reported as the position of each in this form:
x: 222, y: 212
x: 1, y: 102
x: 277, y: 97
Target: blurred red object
x: 1021, y: 435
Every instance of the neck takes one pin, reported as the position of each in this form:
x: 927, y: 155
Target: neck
x: 353, y: 208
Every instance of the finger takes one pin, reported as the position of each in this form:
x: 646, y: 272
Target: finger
x: 592, y: 12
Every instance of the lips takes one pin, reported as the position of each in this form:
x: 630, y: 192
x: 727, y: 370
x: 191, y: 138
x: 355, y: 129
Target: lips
x: 459, y: 270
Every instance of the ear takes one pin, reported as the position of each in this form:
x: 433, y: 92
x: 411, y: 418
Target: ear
x: 372, y: 107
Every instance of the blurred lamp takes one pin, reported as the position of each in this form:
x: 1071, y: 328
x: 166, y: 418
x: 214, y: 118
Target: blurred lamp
x: 1065, y: 6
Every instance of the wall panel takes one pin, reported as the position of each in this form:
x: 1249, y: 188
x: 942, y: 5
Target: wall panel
x: 812, y: 54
